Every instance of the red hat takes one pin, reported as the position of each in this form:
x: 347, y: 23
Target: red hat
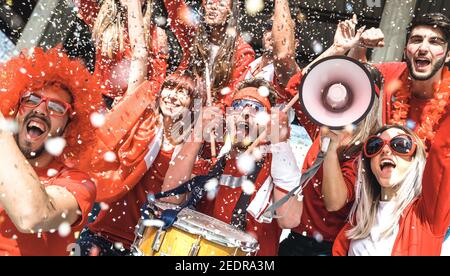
x: 246, y: 94
x: 36, y: 69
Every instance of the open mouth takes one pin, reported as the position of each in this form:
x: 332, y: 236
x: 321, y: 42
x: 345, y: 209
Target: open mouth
x: 422, y: 63
x: 36, y: 128
x: 387, y: 164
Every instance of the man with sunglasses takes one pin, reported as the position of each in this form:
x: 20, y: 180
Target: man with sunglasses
x: 244, y: 193
x: 43, y: 201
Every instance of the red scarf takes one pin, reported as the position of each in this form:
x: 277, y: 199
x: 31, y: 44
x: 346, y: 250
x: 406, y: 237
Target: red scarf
x: 432, y: 113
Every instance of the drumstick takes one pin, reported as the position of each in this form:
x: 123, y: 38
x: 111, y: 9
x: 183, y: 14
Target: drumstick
x: 209, y: 103
x: 264, y: 133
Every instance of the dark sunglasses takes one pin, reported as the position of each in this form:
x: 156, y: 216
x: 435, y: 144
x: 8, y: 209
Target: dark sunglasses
x: 242, y: 104
x: 54, y: 107
x: 402, y: 145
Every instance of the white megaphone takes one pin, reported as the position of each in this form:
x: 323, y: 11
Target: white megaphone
x: 337, y: 92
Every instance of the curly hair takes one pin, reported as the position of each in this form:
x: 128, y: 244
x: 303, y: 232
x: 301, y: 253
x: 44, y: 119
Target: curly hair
x: 36, y: 69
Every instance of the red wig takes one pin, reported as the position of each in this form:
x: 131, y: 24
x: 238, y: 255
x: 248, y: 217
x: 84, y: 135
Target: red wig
x: 34, y: 70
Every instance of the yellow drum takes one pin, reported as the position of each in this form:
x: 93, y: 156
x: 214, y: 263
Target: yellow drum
x: 193, y: 234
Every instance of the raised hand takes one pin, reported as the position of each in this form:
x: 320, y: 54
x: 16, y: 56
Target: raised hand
x: 346, y: 37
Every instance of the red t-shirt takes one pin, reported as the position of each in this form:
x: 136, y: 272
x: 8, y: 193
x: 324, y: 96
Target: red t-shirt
x: 14, y: 243
x: 117, y: 224
x: 222, y: 206
x: 316, y: 221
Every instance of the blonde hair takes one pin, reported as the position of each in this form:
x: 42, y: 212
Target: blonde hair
x: 368, y: 193
x: 223, y: 64
x: 109, y: 27
x: 372, y: 122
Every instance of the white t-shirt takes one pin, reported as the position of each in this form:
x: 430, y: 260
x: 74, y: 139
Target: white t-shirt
x: 374, y: 245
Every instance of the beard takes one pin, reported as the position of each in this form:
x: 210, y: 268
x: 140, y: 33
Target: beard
x: 26, y: 149
x: 440, y: 63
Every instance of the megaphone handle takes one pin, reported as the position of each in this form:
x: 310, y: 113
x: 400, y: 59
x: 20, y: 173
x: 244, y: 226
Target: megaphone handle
x: 325, y: 144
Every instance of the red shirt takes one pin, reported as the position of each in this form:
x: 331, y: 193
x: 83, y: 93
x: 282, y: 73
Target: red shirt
x: 117, y: 224
x: 222, y: 207
x: 316, y: 221
x: 424, y: 223
x: 395, y: 74
x: 14, y: 243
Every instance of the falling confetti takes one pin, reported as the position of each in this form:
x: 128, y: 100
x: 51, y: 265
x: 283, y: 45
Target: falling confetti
x: 52, y: 172
x: 64, y: 229
x: 248, y: 187
x: 55, y: 146
x: 263, y: 91
x: 104, y: 206
x: 9, y: 126
x: 211, y: 188
x: 262, y: 118
x: 110, y: 157
x: 246, y: 163
x: 317, y: 47
x: 253, y: 7
x: 97, y: 120
x: 225, y: 91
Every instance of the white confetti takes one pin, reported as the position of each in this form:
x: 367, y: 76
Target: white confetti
x: 254, y: 6
x: 225, y: 91
x: 104, y: 206
x: 246, y: 163
x: 23, y: 70
x: 9, y: 126
x: 55, y: 146
x: 317, y: 47
x: 263, y: 91
x: 248, y: 187
x: 97, y: 119
x: 110, y: 157
x: 64, y: 229
x: 262, y: 118
x: 52, y: 172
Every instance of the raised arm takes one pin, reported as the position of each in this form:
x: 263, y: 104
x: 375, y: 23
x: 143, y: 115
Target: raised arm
x: 435, y: 199
x: 180, y: 16
x: 283, y: 34
x: 139, y: 50
x: 338, y: 179
x: 29, y: 205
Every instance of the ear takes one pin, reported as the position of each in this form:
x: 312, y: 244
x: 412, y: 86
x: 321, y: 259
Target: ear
x: 447, y: 58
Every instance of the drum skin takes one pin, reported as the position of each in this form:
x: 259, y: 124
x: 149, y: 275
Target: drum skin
x: 180, y: 243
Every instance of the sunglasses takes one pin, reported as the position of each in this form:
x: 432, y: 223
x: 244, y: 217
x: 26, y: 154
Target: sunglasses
x: 402, y: 145
x: 242, y: 104
x: 54, y: 107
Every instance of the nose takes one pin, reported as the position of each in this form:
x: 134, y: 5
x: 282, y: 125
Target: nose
x: 424, y: 47
x: 41, y: 108
x: 386, y: 150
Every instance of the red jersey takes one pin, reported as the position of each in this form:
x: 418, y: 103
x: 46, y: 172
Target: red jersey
x: 117, y: 223
x: 14, y: 243
x: 223, y: 205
